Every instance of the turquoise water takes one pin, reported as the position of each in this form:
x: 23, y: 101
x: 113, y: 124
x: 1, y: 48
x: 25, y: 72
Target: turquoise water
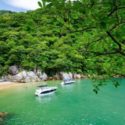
x: 75, y: 104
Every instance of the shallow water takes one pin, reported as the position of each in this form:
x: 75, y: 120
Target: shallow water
x: 74, y: 104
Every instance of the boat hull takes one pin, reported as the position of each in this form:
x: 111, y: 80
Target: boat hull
x: 45, y: 94
x: 45, y: 91
x: 68, y: 82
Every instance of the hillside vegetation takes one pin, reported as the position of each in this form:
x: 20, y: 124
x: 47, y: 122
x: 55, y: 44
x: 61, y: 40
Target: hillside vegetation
x: 84, y: 36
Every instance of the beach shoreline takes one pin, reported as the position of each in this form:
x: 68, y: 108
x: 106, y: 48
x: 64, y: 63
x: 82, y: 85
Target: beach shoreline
x: 8, y: 85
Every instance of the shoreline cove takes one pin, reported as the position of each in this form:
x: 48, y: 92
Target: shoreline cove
x: 10, y: 85
x: 24, y: 108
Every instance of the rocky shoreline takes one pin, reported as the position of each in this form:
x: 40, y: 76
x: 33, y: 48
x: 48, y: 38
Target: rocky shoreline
x: 2, y: 116
x: 23, y: 76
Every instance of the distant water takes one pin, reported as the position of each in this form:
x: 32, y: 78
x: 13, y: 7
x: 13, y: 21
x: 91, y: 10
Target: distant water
x: 75, y: 104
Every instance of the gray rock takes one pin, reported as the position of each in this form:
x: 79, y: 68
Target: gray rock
x: 43, y: 76
x: 66, y: 75
x: 38, y: 72
x: 32, y: 76
x: 27, y: 79
x: 13, y: 70
x: 20, y: 77
x: 24, y: 77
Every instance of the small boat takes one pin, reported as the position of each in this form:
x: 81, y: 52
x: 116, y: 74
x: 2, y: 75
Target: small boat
x: 67, y: 81
x: 42, y: 91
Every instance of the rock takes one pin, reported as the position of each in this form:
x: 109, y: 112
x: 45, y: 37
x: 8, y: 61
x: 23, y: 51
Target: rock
x: 32, y: 77
x: 66, y: 75
x: 19, y: 77
x: 24, y: 77
x: 31, y: 74
x: 50, y: 78
x: 76, y: 76
x: 3, y: 79
x: 26, y: 80
x: 38, y: 72
x: 57, y: 76
x: 84, y: 76
x: 3, y: 114
x: 37, y: 75
x: 13, y: 70
x: 1, y: 119
x: 70, y: 75
x: 43, y: 76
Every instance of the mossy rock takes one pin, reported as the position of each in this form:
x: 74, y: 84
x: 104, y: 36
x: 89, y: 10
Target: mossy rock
x: 3, y: 114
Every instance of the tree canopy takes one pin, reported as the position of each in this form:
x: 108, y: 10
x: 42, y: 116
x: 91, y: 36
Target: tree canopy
x: 82, y: 36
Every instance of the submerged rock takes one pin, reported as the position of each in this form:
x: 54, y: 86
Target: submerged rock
x: 1, y: 119
x: 3, y: 114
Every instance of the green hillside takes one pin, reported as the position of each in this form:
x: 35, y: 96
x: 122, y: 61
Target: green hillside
x: 84, y: 36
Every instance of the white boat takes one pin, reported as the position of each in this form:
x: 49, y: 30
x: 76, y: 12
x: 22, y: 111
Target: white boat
x: 67, y: 81
x: 45, y: 91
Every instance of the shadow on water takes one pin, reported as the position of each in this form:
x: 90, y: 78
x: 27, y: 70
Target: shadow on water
x: 45, y: 98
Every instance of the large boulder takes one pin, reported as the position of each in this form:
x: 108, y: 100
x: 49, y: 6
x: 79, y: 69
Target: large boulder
x: 70, y: 75
x: 42, y: 75
x: 24, y: 77
x: 13, y: 70
x: 3, y: 114
x: 57, y: 76
x: 32, y: 77
x: 20, y: 77
x: 66, y: 75
x: 77, y: 76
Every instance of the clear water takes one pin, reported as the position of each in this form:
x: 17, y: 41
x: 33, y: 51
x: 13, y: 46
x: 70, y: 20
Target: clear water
x: 75, y: 104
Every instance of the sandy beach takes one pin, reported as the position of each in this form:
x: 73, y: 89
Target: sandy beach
x: 7, y: 85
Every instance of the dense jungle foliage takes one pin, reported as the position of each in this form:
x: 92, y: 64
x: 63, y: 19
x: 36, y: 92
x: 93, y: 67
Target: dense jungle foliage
x: 83, y: 36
